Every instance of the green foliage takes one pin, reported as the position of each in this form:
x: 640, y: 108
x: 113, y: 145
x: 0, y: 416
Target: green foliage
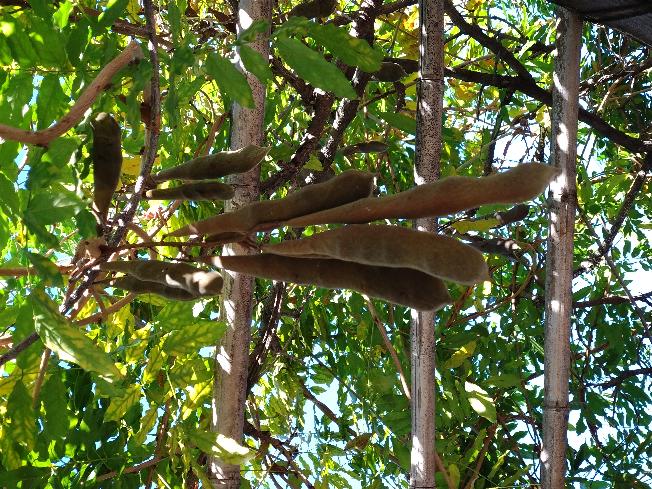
x: 329, y: 404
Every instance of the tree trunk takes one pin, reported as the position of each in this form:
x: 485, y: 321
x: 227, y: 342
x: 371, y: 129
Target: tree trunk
x: 232, y: 352
x: 559, y: 260
x: 430, y: 89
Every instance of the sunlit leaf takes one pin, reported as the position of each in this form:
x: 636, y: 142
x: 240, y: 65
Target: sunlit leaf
x: 191, y: 338
x: 480, y: 401
x: 120, y: 405
x: 229, y: 79
x: 221, y: 446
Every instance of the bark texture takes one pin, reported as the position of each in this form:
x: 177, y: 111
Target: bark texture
x: 430, y: 89
x: 562, y: 202
x: 232, y: 352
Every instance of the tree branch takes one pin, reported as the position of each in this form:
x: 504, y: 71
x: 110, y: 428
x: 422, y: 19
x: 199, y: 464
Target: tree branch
x: 98, y: 85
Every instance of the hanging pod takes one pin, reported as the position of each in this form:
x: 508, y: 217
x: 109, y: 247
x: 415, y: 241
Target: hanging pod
x: 346, y: 187
x: 441, y: 198
x: 193, y: 191
x: 107, y: 161
x: 217, y: 165
x: 198, y: 282
x: 403, y: 286
x: 392, y: 246
x: 364, y: 147
x: 135, y: 286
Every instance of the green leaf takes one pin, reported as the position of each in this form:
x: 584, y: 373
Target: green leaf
x: 24, y: 326
x: 49, y: 102
x: 255, y: 63
x: 23, y: 422
x: 18, y: 41
x: 46, y: 270
x: 61, y: 16
x: 353, y: 51
x: 359, y: 442
x: 54, y: 396
x: 48, y: 43
x: 261, y: 26
x: 155, y: 361
x: 52, y: 207
x: 120, y: 405
x: 312, y: 67
x: 219, y: 445
x: 174, y: 18
x: 85, y: 224
x: 294, y: 25
x: 146, y: 424
x: 230, y: 80
x: 175, y: 315
x: 26, y: 474
x: 402, y: 453
x: 454, y: 475
x: 482, y: 225
x: 460, y: 355
x: 71, y: 344
x: 503, y: 380
x: 399, y: 121
x: 480, y: 401
x: 190, y: 372
x: 113, y: 10
x: 313, y: 163
x: 9, y: 203
x: 191, y: 338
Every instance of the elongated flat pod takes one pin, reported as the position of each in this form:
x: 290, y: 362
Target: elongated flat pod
x: 198, y: 282
x: 107, y: 160
x: 404, y: 286
x: 441, y: 198
x: 346, y: 187
x: 392, y: 246
x: 364, y: 147
x: 192, y: 191
x: 135, y: 286
x: 217, y: 165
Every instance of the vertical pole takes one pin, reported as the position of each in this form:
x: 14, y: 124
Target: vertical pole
x: 430, y: 90
x: 559, y: 260
x: 232, y: 352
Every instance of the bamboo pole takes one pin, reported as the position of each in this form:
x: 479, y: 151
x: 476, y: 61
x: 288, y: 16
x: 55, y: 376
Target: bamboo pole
x: 562, y: 201
x: 232, y: 352
x: 430, y: 89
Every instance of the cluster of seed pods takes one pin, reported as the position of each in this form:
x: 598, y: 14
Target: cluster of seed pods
x: 394, y: 263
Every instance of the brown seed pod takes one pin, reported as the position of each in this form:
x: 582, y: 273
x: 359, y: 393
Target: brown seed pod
x: 392, y: 246
x: 346, y: 187
x: 199, y: 283
x: 310, y: 10
x: 441, y: 198
x: 192, y: 191
x: 217, y: 165
x: 389, y: 72
x: 364, y: 147
x: 404, y: 286
x: 107, y: 161
x: 516, y: 213
x: 135, y: 286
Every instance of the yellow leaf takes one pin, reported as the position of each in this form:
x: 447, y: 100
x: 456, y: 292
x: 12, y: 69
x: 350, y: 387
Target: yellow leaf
x: 146, y: 424
x: 454, y: 475
x: 460, y: 355
x: 483, y: 225
x: 156, y: 360
x: 120, y: 405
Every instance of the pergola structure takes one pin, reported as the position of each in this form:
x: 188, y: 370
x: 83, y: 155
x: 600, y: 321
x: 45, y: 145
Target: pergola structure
x: 631, y: 17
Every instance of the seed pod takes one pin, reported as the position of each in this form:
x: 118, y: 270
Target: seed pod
x: 441, y: 198
x: 346, y: 187
x: 310, y: 10
x: 135, y: 286
x: 364, y: 147
x: 224, y: 238
x: 499, y: 246
x: 392, y: 246
x: 404, y: 286
x: 193, y: 191
x: 199, y: 283
x: 516, y: 213
x: 389, y: 72
x: 107, y: 161
x: 214, y: 166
